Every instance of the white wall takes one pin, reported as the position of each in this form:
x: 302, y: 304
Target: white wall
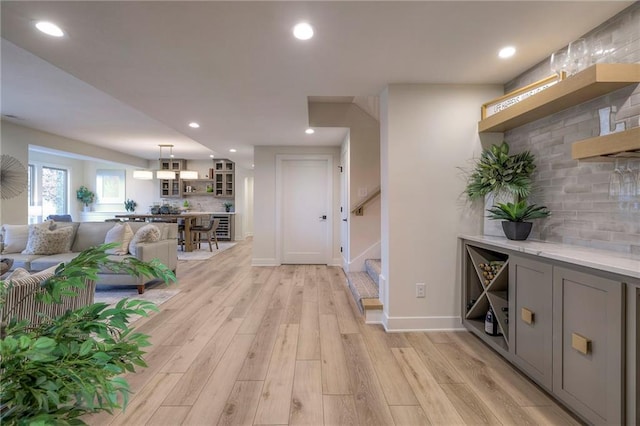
x: 364, y: 171
x: 16, y: 141
x: 427, y: 133
x: 264, y: 199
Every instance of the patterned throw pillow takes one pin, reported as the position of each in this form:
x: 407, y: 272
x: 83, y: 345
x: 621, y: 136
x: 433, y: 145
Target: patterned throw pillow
x: 45, y: 241
x: 120, y: 233
x: 146, y: 234
x: 18, y: 274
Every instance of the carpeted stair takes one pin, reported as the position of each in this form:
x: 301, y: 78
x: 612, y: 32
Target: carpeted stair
x: 364, y: 285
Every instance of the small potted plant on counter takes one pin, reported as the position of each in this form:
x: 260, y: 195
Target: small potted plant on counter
x: 228, y: 205
x: 85, y: 196
x: 130, y: 205
x: 514, y: 217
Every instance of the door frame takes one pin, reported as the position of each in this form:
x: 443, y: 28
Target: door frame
x: 279, y: 234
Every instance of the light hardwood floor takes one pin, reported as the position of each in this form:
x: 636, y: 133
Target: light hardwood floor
x: 242, y: 345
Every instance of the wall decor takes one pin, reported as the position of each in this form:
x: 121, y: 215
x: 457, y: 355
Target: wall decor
x: 503, y: 102
x: 13, y: 177
x: 110, y: 186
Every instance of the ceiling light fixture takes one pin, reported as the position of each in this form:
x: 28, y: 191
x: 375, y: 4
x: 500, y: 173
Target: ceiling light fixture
x: 303, y: 31
x: 188, y: 174
x: 233, y: 150
x: 309, y: 131
x: 194, y: 125
x: 165, y: 174
x: 49, y: 28
x: 507, y: 52
x: 211, y: 156
x: 143, y: 174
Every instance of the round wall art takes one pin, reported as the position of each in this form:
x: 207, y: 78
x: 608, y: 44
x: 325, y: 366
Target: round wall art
x: 13, y: 177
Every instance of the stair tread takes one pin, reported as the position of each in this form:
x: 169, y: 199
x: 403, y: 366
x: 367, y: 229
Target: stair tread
x: 362, y: 283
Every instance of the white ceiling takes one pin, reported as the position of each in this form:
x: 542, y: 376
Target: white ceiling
x: 132, y: 75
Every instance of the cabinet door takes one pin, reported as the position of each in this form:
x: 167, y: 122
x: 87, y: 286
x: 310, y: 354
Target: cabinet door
x: 587, y: 344
x: 531, y: 318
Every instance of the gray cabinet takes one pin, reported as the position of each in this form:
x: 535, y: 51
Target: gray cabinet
x: 574, y: 330
x: 531, y: 318
x: 587, y: 334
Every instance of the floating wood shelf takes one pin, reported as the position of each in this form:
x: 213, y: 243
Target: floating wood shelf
x: 624, y: 144
x: 588, y: 84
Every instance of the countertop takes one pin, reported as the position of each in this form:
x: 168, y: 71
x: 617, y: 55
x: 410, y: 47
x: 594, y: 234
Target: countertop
x: 617, y: 263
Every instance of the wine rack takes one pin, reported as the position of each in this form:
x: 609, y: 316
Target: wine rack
x: 486, y: 287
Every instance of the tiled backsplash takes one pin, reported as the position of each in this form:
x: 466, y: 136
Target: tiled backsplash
x: 577, y: 193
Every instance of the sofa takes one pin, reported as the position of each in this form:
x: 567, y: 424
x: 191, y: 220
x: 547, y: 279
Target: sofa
x: 21, y: 301
x: 20, y: 243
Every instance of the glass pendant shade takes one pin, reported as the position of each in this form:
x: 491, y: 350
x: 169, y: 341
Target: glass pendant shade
x: 188, y: 174
x: 143, y: 174
x: 165, y: 174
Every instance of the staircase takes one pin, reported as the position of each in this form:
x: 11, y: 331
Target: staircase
x: 364, y: 287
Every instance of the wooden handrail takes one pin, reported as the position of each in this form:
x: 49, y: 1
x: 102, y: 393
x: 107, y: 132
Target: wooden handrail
x: 359, y: 209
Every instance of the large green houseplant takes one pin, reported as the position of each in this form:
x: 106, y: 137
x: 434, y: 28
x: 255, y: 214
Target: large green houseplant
x: 65, y: 367
x: 498, y: 172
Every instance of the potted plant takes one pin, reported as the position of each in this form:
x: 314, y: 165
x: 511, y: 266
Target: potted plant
x: 85, y: 196
x: 514, y: 217
x: 65, y: 367
x: 130, y: 205
x: 497, y: 172
x: 227, y: 206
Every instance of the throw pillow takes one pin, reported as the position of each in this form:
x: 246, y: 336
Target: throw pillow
x: 14, y: 238
x: 5, y: 265
x: 18, y: 274
x: 45, y: 241
x: 146, y: 234
x: 122, y: 234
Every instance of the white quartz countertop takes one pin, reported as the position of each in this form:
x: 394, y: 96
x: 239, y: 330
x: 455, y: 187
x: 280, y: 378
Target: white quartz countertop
x: 618, y: 263
x: 199, y: 212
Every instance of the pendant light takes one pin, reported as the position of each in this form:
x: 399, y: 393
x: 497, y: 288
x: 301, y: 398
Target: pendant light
x: 143, y: 174
x: 166, y: 174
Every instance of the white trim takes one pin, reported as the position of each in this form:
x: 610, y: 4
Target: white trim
x: 374, y: 316
x: 265, y: 261
x: 336, y: 261
x: 280, y: 158
x: 409, y: 324
x: 372, y: 252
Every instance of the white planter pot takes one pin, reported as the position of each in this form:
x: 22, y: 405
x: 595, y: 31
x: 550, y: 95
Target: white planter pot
x: 493, y: 228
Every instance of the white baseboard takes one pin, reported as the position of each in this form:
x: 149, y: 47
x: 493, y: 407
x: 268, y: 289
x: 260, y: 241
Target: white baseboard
x: 266, y: 261
x: 408, y: 324
x: 336, y: 261
x: 374, y: 317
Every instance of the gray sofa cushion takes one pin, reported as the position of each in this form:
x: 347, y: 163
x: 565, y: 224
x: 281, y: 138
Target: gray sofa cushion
x: 44, y: 262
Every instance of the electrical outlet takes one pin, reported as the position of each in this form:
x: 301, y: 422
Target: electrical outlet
x: 421, y: 289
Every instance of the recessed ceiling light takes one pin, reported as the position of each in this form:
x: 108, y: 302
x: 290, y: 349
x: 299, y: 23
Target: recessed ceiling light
x: 211, y: 155
x: 253, y: 165
x: 309, y: 131
x: 303, y: 31
x: 194, y: 125
x: 49, y: 28
x: 232, y: 150
x: 507, y: 52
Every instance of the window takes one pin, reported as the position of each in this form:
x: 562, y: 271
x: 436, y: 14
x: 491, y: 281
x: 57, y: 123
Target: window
x: 48, y: 191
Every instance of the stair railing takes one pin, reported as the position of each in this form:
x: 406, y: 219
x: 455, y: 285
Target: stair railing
x: 359, y: 209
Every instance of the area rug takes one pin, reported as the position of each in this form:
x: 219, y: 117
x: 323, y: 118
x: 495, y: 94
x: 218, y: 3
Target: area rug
x: 204, y: 253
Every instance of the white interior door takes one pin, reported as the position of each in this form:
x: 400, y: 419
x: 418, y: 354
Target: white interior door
x: 305, y: 210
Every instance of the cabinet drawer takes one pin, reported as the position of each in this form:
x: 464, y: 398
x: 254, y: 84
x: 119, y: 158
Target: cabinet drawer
x: 587, y: 356
x: 531, y: 318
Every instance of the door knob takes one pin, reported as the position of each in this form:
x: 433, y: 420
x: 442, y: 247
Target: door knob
x: 323, y: 217
x: 344, y: 220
